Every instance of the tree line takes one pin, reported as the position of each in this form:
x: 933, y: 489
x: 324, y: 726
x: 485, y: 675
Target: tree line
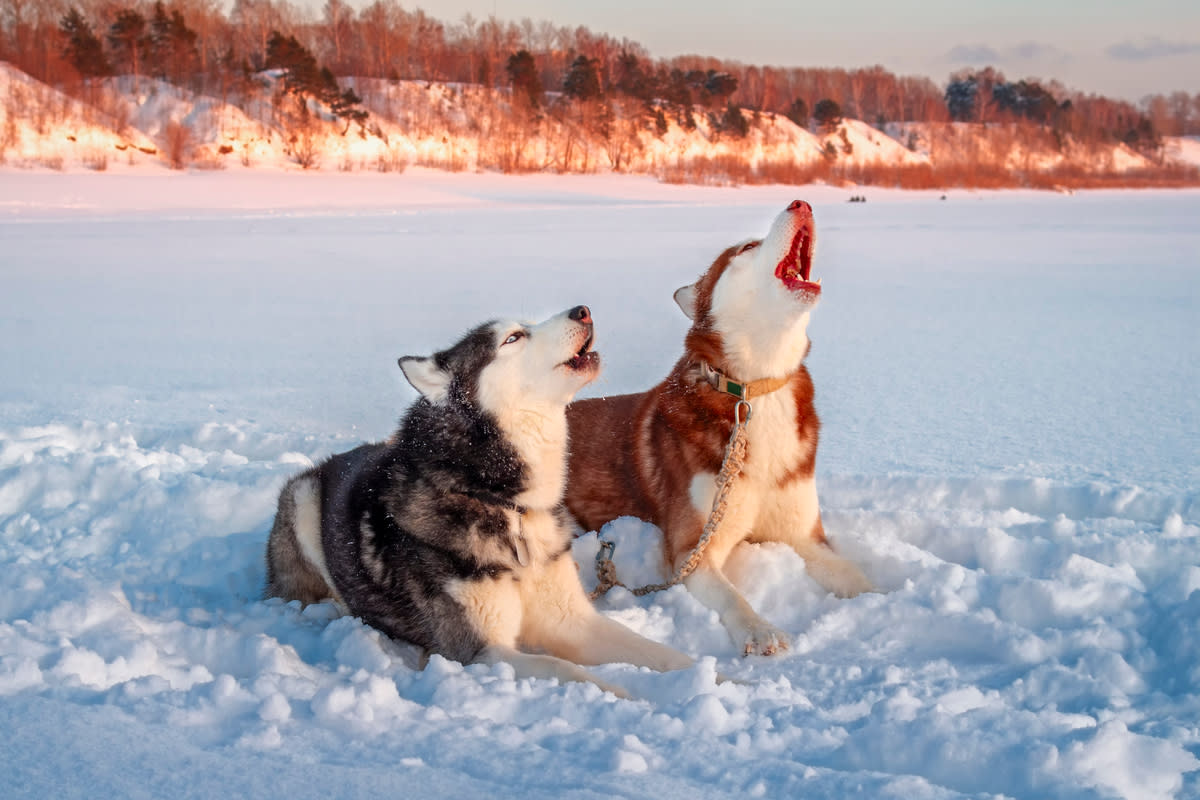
x: 196, y: 45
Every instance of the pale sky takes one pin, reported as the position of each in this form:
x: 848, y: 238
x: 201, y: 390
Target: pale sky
x: 1122, y: 49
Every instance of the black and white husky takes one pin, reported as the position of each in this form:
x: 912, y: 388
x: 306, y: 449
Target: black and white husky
x: 452, y: 535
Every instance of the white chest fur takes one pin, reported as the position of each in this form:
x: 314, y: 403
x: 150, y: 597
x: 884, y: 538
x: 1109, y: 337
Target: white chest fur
x: 775, y: 449
x: 540, y: 440
x: 773, y: 439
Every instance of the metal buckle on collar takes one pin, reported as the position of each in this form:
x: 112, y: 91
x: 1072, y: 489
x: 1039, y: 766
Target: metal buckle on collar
x: 721, y: 383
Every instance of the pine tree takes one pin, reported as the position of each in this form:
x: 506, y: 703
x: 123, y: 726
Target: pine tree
x: 1025, y: 99
x: 734, y: 122
x: 172, y: 44
x: 961, y: 97
x: 523, y: 76
x: 827, y: 114
x: 632, y: 79
x: 128, y: 39
x: 678, y: 92
x: 660, y: 123
x: 720, y: 85
x: 300, y: 70
x: 83, y: 49
x: 582, y: 81
x: 160, y: 41
x: 303, y: 76
x: 346, y: 106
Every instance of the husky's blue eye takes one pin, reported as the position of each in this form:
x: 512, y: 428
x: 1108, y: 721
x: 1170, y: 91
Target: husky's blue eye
x: 514, y: 337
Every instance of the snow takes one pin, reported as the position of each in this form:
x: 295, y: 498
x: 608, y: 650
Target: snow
x: 42, y: 127
x: 1015, y: 147
x: 140, y: 124
x: 1184, y: 149
x: 1008, y: 384
x: 856, y: 142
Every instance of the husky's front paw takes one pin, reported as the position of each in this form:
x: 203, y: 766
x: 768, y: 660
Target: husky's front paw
x: 764, y: 639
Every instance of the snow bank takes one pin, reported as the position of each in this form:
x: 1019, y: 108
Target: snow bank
x: 1185, y: 149
x: 855, y: 142
x: 1010, y: 653
x: 1012, y: 147
x: 41, y: 127
x: 1001, y: 453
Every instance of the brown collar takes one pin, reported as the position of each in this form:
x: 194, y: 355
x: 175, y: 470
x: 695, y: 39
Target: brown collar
x: 742, y: 390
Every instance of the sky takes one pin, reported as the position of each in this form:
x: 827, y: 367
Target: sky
x: 1119, y: 49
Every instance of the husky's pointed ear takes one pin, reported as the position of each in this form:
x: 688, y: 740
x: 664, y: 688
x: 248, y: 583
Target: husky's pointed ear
x: 685, y: 296
x: 426, y: 377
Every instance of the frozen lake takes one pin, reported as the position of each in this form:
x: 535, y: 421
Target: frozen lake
x: 1009, y: 388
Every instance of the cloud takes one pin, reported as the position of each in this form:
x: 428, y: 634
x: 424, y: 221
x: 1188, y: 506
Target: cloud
x: 1037, y: 51
x: 973, y: 54
x: 1151, y: 49
x: 1015, y: 55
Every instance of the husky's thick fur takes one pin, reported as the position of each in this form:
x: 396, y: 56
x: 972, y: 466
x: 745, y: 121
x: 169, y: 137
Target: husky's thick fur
x: 656, y: 455
x: 452, y: 534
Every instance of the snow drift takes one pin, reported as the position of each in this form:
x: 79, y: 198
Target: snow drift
x: 1008, y: 450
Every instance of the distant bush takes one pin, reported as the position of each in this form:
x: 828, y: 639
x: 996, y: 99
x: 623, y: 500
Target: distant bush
x: 734, y: 122
x: 96, y: 160
x: 798, y: 112
x: 827, y: 114
x: 394, y: 160
x: 178, y: 139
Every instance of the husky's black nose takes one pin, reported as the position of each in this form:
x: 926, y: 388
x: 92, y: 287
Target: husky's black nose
x: 580, y: 314
x: 798, y: 205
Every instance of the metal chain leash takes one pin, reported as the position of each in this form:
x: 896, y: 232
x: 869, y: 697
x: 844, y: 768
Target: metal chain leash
x: 731, y: 468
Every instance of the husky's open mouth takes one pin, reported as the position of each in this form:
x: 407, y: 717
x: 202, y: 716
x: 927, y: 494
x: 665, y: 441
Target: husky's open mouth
x: 795, y: 268
x: 586, y: 358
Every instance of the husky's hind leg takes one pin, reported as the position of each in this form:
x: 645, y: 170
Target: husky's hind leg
x: 561, y: 620
x: 295, y: 558
x: 493, y: 621
x: 797, y: 522
x: 533, y: 665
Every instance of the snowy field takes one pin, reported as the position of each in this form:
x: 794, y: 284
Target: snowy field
x: 1009, y: 387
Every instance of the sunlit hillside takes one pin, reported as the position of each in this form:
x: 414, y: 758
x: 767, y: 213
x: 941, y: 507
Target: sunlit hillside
x: 126, y: 122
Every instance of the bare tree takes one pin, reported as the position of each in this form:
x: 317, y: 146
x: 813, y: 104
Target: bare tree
x: 338, y: 17
x: 16, y: 16
x: 255, y: 20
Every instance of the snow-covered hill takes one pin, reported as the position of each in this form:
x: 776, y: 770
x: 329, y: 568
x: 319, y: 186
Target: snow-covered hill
x: 40, y: 127
x: 1184, y: 149
x: 855, y: 142
x: 208, y: 132
x: 1011, y: 147
x: 145, y: 122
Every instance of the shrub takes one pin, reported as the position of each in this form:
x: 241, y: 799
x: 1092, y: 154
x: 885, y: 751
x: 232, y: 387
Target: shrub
x: 178, y: 144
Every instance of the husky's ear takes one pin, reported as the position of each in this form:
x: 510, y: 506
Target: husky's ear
x: 685, y: 296
x: 426, y: 377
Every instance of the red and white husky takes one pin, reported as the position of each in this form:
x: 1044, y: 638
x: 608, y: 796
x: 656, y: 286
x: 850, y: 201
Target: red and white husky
x: 656, y: 455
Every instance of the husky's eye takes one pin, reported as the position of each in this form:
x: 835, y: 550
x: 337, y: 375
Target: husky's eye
x: 747, y: 247
x: 515, y: 336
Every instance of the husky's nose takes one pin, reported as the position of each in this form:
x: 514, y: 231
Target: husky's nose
x: 580, y: 314
x: 800, y: 205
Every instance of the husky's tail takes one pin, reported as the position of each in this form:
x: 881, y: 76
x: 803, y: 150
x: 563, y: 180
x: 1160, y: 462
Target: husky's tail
x: 295, y: 556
